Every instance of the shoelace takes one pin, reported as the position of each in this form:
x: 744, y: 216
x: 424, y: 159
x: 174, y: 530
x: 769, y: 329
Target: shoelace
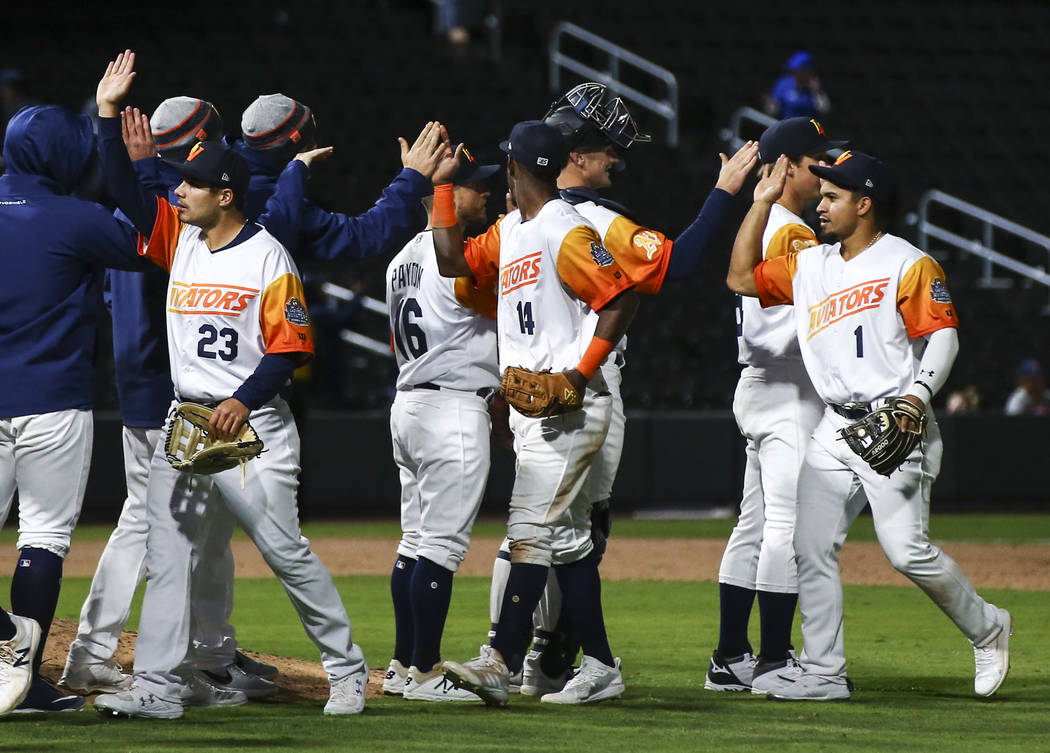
x: 7, y: 652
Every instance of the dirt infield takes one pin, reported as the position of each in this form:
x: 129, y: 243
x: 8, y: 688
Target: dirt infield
x: 987, y: 565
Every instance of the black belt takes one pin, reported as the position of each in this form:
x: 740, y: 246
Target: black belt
x: 852, y: 411
x: 484, y: 392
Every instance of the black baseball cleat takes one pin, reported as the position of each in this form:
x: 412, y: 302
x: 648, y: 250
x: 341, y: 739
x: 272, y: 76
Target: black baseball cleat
x: 731, y: 673
x: 44, y: 697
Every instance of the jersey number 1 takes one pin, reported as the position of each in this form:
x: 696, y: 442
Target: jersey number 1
x: 859, y: 334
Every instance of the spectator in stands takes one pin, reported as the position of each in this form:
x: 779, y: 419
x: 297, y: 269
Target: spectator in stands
x: 457, y: 18
x: 966, y: 400
x: 799, y: 91
x: 1031, y: 398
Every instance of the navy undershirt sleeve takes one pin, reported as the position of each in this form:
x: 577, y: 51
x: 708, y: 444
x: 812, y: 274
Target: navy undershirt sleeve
x: 690, y: 246
x: 135, y: 201
x: 272, y: 373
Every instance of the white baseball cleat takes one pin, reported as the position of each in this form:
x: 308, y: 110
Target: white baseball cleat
x: 394, y: 679
x: 347, y: 696
x: 594, y: 681
x: 768, y: 676
x: 992, y: 657
x: 486, y: 675
x: 730, y: 673
x: 138, y: 703
x: 434, y: 686
x: 16, y: 662
x: 95, y: 677
x: 535, y: 682
x: 801, y: 686
x: 232, y: 677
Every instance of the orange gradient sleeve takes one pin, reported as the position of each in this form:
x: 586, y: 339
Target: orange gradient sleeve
x: 284, y: 319
x: 160, y: 248
x: 482, y: 255
x: 642, y: 253
x: 589, y: 269
x: 480, y: 299
x: 790, y: 239
x: 773, y: 279
x: 923, y: 299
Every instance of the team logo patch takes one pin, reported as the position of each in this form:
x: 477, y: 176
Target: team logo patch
x: 648, y: 242
x: 939, y: 291
x: 295, y: 313
x: 601, y: 257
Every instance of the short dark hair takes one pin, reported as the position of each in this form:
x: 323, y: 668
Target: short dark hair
x: 884, y: 211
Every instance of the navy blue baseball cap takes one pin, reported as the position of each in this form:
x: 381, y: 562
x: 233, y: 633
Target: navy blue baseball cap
x: 861, y: 172
x: 538, y: 147
x: 795, y: 137
x: 215, y: 164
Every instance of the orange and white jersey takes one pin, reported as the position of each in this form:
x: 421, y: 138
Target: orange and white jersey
x: 550, y: 273
x: 860, y: 323
x: 443, y: 330
x: 765, y: 337
x: 227, y: 308
x: 641, y: 252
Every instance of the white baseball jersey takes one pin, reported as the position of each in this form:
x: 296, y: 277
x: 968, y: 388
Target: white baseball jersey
x: 227, y: 308
x: 551, y: 272
x: 767, y: 336
x: 860, y: 322
x: 443, y: 330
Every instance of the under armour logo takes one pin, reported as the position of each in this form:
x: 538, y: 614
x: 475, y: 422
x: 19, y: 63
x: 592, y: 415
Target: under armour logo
x: 146, y: 700
x: 924, y: 372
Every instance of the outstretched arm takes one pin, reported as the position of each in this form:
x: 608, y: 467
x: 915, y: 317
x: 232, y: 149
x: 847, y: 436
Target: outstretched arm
x: 138, y: 204
x: 448, y: 233
x: 689, y: 247
x: 747, y: 249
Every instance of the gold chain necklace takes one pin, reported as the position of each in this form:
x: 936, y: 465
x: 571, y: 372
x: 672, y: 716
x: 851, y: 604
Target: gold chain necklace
x: 872, y: 241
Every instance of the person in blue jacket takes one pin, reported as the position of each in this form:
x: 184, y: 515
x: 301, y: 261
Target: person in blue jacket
x: 53, y: 248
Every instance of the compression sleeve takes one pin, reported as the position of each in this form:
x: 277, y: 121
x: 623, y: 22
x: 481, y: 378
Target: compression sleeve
x: 942, y: 346
x: 689, y: 247
x: 272, y: 373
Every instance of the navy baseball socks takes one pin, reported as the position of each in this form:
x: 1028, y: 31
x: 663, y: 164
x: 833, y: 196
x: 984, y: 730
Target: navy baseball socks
x: 7, y: 628
x: 514, y: 629
x: 401, y: 593
x: 431, y: 592
x: 776, y: 613
x: 34, y: 593
x: 581, y: 588
x: 734, y: 613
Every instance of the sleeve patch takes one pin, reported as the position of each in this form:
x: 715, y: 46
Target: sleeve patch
x: 939, y: 291
x: 295, y: 312
x: 648, y: 241
x: 800, y: 243
x: 601, y: 256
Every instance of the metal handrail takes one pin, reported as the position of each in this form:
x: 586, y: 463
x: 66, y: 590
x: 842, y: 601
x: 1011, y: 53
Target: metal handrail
x: 368, y: 304
x: 731, y: 135
x: 666, y: 108
x: 983, y: 248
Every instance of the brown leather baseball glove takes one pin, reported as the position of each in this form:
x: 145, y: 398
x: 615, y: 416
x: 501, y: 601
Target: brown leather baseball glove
x: 539, y: 393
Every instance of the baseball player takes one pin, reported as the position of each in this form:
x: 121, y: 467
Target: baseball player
x: 874, y: 320
x: 552, y: 272
x: 237, y: 328
x: 599, y: 130
x: 776, y: 410
x: 444, y: 339
x: 54, y: 247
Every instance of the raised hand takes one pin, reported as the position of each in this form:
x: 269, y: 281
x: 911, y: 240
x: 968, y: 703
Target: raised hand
x: 448, y: 166
x: 771, y: 186
x: 315, y: 155
x: 115, y: 83
x: 427, y: 151
x: 138, y: 138
x: 735, y: 169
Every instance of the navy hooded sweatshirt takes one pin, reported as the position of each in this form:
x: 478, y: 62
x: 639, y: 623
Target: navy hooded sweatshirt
x: 53, y: 247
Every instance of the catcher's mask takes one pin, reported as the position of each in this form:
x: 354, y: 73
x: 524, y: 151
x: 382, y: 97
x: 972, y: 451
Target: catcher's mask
x: 590, y: 117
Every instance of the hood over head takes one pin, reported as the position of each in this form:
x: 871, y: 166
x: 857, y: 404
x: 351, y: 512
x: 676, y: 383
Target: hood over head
x: 50, y: 142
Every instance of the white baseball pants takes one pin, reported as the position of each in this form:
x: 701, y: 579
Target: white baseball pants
x: 182, y: 507
x: 832, y: 487
x: 776, y: 411
x: 441, y: 447
x: 46, y: 457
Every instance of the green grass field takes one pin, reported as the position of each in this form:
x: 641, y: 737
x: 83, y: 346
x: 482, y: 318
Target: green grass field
x: 912, y: 668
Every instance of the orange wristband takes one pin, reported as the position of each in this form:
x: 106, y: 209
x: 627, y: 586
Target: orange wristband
x: 597, y: 352
x: 444, y: 214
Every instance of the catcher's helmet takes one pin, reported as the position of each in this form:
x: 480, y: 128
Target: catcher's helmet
x: 589, y: 116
